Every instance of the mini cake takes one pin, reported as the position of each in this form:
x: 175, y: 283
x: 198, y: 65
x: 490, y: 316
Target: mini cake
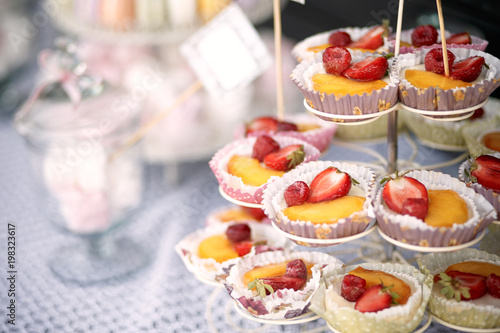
x: 206, y: 251
x: 337, y: 94
x: 483, y: 309
x: 235, y: 213
x: 475, y: 133
x: 302, y: 126
x: 429, y: 90
x: 323, y: 216
x: 431, y: 209
x: 368, y: 39
x: 349, y: 300
x: 243, y: 177
x: 446, y: 135
x: 289, y: 300
x: 427, y: 37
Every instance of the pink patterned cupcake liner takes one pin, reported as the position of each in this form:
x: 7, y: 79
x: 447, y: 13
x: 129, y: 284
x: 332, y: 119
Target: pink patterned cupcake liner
x: 232, y: 185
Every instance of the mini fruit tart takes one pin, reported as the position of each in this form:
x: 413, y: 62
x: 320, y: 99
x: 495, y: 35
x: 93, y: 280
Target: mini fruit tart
x: 483, y: 136
x: 372, y: 297
x: 423, y: 85
x: 483, y: 175
x: 206, y: 251
x: 357, y: 40
x: 322, y: 200
x: 301, y: 126
x: 236, y: 213
x: 431, y: 209
x: 337, y: 83
x: 428, y: 37
x: 244, y: 167
x: 468, y: 293
x: 277, y: 285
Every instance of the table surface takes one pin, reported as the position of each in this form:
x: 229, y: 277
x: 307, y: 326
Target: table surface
x: 163, y: 296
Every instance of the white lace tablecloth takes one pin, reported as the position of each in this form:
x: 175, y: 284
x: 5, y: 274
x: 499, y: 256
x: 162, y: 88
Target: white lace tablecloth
x: 163, y: 296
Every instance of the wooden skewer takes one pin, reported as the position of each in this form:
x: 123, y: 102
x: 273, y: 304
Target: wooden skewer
x: 443, y: 38
x: 139, y: 134
x: 399, y: 25
x: 280, y: 103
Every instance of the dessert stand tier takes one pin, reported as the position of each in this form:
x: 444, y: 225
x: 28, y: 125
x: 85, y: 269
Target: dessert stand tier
x: 238, y: 202
x: 465, y: 329
x: 306, y: 317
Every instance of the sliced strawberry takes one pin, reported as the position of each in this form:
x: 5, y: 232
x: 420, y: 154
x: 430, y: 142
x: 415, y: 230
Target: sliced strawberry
x: 266, y: 124
x: 375, y: 299
x: 493, y: 285
x: 257, y: 213
x: 368, y: 69
x: 297, y: 269
x: 329, y: 184
x: 434, y: 61
x: 468, y: 69
x: 297, y: 193
x: 460, y: 38
x: 372, y: 40
x: 243, y: 248
x: 424, y: 35
x: 417, y: 207
x: 284, y: 282
x: 478, y: 113
x: 462, y: 286
x: 397, y: 191
x: 485, y: 170
x: 238, y: 232
x: 352, y: 287
x: 339, y: 38
x: 263, y: 146
x: 284, y: 126
x: 336, y: 59
x: 286, y: 158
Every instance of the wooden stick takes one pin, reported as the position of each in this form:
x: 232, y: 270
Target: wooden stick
x: 142, y: 131
x: 398, y: 28
x: 280, y: 100
x: 443, y: 38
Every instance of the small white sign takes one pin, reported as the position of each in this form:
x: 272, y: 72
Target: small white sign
x: 227, y: 53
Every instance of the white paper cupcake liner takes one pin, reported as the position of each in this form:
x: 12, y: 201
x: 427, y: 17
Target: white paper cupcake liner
x: 320, y: 138
x: 466, y: 314
x: 473, y: 134
x: 445, y: 135
x: 400, y: 319
x: 282, y: 304
x: 209, y: 269
x: 274, y: 202
x: 300, y: 50
x: 232, y: 185
x: 477, y: 43
x: 450, y: 99
x: 367, y: 103
x: 411, y: 230
x: 492, y: 197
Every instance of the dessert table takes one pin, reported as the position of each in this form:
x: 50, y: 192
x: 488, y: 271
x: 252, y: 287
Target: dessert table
x: 162, y: 296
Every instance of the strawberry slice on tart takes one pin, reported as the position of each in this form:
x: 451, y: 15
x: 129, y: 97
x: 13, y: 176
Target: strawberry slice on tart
x: 286, y: 158
x: 401, y: 191
x: 329, y: 184
x: 485, y: 170
x: 376, y: 298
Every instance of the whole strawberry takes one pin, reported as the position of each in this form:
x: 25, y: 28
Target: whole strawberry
x: 238, y: 233
x: 417, y: 207
x: 263, y: 146
x: 485, y: 170
x: 397, y: 190
x: 493, y: 285
x: 339, y: 38
x: 434, y: 61
x: 468, y: 69
x: 297, y: 193
x: 336, y: 60
x: 424, y: 35
x: 265, y: 124
x: 352, y: 287
x: 297, y: 269
x: 329, y: 184
x: 284, y: 126
x: 286, y: 158
x: 369, y: 69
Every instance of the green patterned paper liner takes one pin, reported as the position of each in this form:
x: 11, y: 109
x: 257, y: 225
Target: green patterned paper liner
x: 473, y: 133
x: 464, y: 314
x: 353, y: 321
